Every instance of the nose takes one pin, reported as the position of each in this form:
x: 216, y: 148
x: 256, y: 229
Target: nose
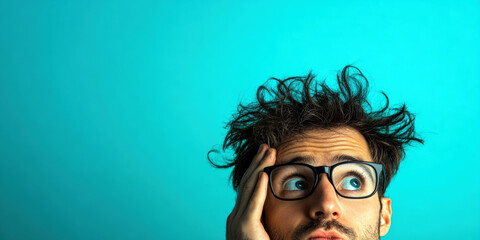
x: 324, y: 202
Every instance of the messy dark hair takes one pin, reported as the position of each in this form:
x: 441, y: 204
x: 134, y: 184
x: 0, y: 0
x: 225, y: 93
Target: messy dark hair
x: 298, y: 104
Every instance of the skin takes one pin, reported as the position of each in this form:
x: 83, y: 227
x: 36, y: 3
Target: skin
x: 260, y: 215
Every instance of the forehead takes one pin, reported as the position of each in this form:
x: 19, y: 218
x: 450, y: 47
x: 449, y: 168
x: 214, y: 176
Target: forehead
x: 321, y: 146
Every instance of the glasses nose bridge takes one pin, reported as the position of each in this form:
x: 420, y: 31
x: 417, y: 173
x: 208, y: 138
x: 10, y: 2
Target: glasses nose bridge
x: 323, y: 169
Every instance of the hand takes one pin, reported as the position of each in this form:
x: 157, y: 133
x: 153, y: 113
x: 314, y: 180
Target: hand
x: 245, y: 221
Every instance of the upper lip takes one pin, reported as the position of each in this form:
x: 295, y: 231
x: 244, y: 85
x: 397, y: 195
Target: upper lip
x: 325, y: 234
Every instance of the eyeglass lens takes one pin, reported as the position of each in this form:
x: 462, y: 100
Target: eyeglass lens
x: 297, y: 181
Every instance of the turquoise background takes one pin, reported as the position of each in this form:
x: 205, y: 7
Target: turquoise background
x: 108, y: 108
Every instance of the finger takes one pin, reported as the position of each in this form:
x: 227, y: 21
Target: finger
x: 246, y: 176
x: 262, y: 151
x: 257, y: 201
x: 249, y: 187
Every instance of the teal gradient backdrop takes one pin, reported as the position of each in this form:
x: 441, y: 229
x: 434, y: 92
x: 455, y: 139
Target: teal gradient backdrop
x: 108, y: 108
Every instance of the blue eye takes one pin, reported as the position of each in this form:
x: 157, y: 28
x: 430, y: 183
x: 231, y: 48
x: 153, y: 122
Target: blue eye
x: 295, y: 184
x: 351, y: 183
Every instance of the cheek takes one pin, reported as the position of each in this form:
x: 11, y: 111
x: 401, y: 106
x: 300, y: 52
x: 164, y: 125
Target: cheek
x: 282, y: 216
x: 361, y: 214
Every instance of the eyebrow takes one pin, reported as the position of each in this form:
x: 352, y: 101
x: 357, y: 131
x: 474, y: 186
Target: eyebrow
x: 334, y: 160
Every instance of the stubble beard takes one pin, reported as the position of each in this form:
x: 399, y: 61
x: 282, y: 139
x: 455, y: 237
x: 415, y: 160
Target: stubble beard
x: 301, y: 232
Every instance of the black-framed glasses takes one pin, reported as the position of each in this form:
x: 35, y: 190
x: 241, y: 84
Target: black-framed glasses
x: 350, y: 179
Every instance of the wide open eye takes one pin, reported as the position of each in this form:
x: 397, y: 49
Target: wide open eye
x: 295, y: 184
x: 351, y: 183
x: 354, y: 179
x: 292, y: 181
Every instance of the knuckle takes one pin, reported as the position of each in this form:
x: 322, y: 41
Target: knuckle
x: 244, y: 225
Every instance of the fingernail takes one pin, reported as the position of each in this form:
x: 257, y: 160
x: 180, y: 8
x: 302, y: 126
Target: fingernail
x: 259, y: 149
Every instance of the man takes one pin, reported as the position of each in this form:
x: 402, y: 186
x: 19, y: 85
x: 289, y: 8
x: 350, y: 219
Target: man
x: 312, y: 162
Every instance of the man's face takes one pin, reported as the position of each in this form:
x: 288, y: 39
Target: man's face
x: 325, y: 214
